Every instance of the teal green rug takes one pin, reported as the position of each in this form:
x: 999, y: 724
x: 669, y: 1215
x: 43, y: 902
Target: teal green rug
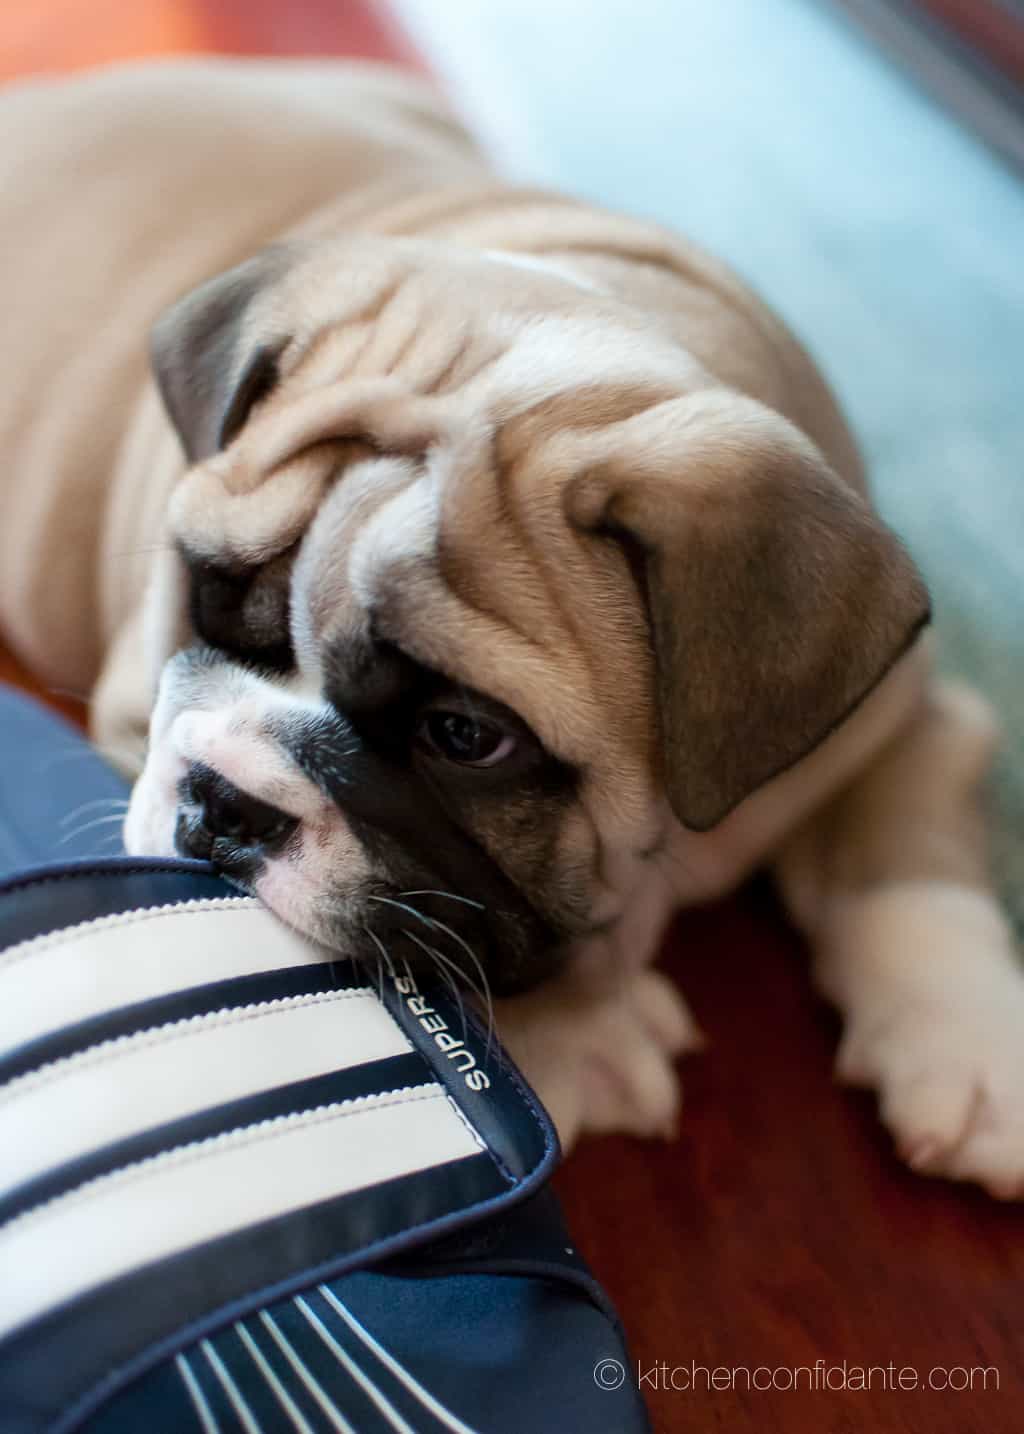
x: 888, y: 236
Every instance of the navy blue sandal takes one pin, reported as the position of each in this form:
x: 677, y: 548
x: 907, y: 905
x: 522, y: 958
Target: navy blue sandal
x: 244, y: 1188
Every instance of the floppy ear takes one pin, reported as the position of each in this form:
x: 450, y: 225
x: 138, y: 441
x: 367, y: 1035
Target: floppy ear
x: 777, y: 599
x: 211, y: 360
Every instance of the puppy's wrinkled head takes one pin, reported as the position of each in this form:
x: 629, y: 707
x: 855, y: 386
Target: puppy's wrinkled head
x: 479, y: 582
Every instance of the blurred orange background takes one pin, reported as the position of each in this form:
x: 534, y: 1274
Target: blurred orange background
x: 72, y: 34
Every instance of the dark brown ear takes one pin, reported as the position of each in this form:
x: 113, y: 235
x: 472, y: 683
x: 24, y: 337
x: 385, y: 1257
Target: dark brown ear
x: 777, y: 599
x: 212, y: 363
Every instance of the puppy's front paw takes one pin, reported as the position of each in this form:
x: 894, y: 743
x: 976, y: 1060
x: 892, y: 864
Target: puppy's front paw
x: 950, y: 1081
x: 603, y: 1064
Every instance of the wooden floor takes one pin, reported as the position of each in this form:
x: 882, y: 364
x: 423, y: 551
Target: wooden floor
x: 779, y: 1230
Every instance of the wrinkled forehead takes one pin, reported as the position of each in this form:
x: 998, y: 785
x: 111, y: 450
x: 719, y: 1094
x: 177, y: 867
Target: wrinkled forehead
x: 503, y: 327
x: 439, y: 529
x: 342, y: 280
x: 385, y: 566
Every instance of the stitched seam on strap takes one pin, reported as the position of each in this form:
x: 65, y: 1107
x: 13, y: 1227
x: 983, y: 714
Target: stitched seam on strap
x: 36, y: 945
x: 237, y: 1139
x: 113, y: 866
x: 511, y: 1072
x: 472, y: 1131
x: 114, y: 1049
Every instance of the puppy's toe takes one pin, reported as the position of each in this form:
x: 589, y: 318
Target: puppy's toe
x: 603, y: 1063
x: 950, y: 1084
x: 928, y: 1114
x: 992, y: 1160
x: 668, y: 1018
x: 630, y: 1081
x: 633, y: 1090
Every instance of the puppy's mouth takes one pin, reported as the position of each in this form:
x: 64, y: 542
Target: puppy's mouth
x: 276, y: 792
x: 239, y: 834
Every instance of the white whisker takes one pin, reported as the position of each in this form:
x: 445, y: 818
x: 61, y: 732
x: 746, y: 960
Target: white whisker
x: 401, y: 906
x: 383, y: 951
x: 120, y: 802
x: 448, y: 895
x: 486, y: 992
x: 444, y: 970
x: 88, y: 826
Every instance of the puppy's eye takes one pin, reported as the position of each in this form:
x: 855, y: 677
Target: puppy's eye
x: 469, y: 741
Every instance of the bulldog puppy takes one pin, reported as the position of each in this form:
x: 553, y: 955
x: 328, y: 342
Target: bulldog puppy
x: 494, y: 575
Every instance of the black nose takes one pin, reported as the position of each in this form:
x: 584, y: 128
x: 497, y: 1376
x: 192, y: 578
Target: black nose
x: 214, y: 809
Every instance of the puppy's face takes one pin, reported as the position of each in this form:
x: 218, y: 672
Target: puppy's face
x: 477, y: 583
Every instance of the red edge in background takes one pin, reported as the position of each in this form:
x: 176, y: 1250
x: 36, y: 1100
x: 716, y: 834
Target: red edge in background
x: 361, y: 29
